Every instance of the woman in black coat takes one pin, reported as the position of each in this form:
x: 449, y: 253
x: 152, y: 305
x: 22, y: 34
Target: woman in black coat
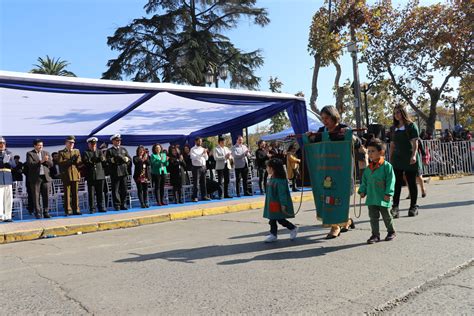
x: 176, y: 167
x: 141, y: 175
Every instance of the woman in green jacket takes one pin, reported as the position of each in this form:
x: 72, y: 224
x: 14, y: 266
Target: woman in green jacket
x: 159, y: 162
x: 404, y: 158
x: 278, y: 203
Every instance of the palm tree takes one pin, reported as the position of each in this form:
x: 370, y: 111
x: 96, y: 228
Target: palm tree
x: 49, y: 66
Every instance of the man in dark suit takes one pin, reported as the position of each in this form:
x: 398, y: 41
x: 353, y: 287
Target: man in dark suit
x: 54, y: 171
x: 92, y: 159
x: 69, y: 159
x: 118, y: 160
x: 39, y: 162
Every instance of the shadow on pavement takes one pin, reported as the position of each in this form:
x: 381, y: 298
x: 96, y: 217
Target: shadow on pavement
x: 301, y: 254
x: 192, y: 254
x: 448, y: 204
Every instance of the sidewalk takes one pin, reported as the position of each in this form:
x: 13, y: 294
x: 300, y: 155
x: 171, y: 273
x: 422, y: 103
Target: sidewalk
x: 88, y: 223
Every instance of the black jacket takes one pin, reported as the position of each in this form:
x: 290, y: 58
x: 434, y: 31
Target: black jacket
x: 139, y: 164
x: 118, y: 161
x: 260, y: 158
x: 93, y: 161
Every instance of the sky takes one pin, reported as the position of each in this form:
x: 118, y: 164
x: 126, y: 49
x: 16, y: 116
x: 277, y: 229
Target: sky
x: 77, y: 30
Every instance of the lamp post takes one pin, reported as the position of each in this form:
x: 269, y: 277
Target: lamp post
x: 365, y: 88
x: 352, y: 48
x: 215, y: 73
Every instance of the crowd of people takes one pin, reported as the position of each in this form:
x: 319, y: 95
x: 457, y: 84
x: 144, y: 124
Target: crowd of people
x: 209, y: 169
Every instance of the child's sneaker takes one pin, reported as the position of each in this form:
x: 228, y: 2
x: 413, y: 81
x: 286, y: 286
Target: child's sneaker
x: 293, y: 233
x: 271, y: 238
x: 373, y: 239
x: 390, y: 236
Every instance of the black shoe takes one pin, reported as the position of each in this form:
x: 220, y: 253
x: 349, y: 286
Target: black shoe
x: 395, y: 211
x: 373, y: 239
x: 413, y: 211
x: 295, y: 190
x: 238, y: 195
x: 147, y: 206
x: 102, y: 211
x: 30, y: 212
x: 331, y: 236
x: 143, y: 206
x: 117, y: 208
x: 8, y: 221
x: 181, y: 201
x: 92, y: 211
x: 77, y: 213
x: 206, y: 199
x: 247, y: 194
x: 37, y: 215
x: 227, y: 197
x: 351, y: 226
x: 195, y: 200
x: 46, y: 215
x: 390, y: 236
x: 66, y: 213
x: 123, y: 208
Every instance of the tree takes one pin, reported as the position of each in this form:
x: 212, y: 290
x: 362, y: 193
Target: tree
x: 330, y: 32
x: 50, y: 66
x: 183, y: 41
x: 279, y: 121
x: 421, y: 49
x: 466, y: 104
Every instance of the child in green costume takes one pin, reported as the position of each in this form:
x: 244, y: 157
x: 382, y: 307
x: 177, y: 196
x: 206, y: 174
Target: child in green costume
x: 278, y: 203
x: 378, y: 184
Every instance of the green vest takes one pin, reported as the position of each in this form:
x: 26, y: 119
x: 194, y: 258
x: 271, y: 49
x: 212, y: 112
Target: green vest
x: 378, y: 183
x: 277, y: 195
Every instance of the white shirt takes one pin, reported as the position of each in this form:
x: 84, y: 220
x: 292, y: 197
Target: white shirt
x: 40, y: 157
x: 220, y: 154
x: 240, y: 153
x: 198, y: 156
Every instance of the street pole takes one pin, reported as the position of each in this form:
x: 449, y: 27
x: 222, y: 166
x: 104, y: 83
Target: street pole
x: 366, y: 107
x: 353, y: 50
x: 455, y: 116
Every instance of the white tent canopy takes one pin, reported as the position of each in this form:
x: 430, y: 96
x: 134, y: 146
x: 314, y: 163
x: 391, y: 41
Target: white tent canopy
x: 52, y: 107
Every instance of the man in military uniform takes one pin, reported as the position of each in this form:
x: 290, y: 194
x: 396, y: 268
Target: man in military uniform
x: 7, y: 163
x: 38, y: 162
x: 119, y: 161
x: 93, y: 159
x: 69, y: 158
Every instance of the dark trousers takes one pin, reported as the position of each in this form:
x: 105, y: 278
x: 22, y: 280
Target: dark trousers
x: 95, y: 189
x: 241, y: 172
x: 282, y: 222
x: 411, y: 181
x: 142, y: 192
x: 262, y: 179
x: 119, y: 191
x: 223, y: 175
x: 40, y: 188
x: 31, y: 197
x: 374, y: 214
x: 199, y: 177
x: 159, y: 187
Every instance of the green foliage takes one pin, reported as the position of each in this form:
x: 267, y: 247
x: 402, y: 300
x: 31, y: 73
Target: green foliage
x: 279, y: 121
x: 182, y: 40
x: 421, y: 48
x: 50, y: 66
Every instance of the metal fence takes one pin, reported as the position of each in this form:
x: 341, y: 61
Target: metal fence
x: 448, y: 158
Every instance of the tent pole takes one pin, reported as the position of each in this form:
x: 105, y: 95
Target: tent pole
x: 247, y: 136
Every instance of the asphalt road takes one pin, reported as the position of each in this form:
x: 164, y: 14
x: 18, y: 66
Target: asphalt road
x: 219, y: 265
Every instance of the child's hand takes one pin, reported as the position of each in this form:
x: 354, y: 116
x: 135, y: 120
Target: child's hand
x: 362, y: 195
x: 386, y: 198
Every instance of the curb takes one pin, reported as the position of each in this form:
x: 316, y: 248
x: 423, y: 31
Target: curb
x: 134, y: 222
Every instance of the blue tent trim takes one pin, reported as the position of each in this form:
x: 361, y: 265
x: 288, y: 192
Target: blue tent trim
x: 269, y: 106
